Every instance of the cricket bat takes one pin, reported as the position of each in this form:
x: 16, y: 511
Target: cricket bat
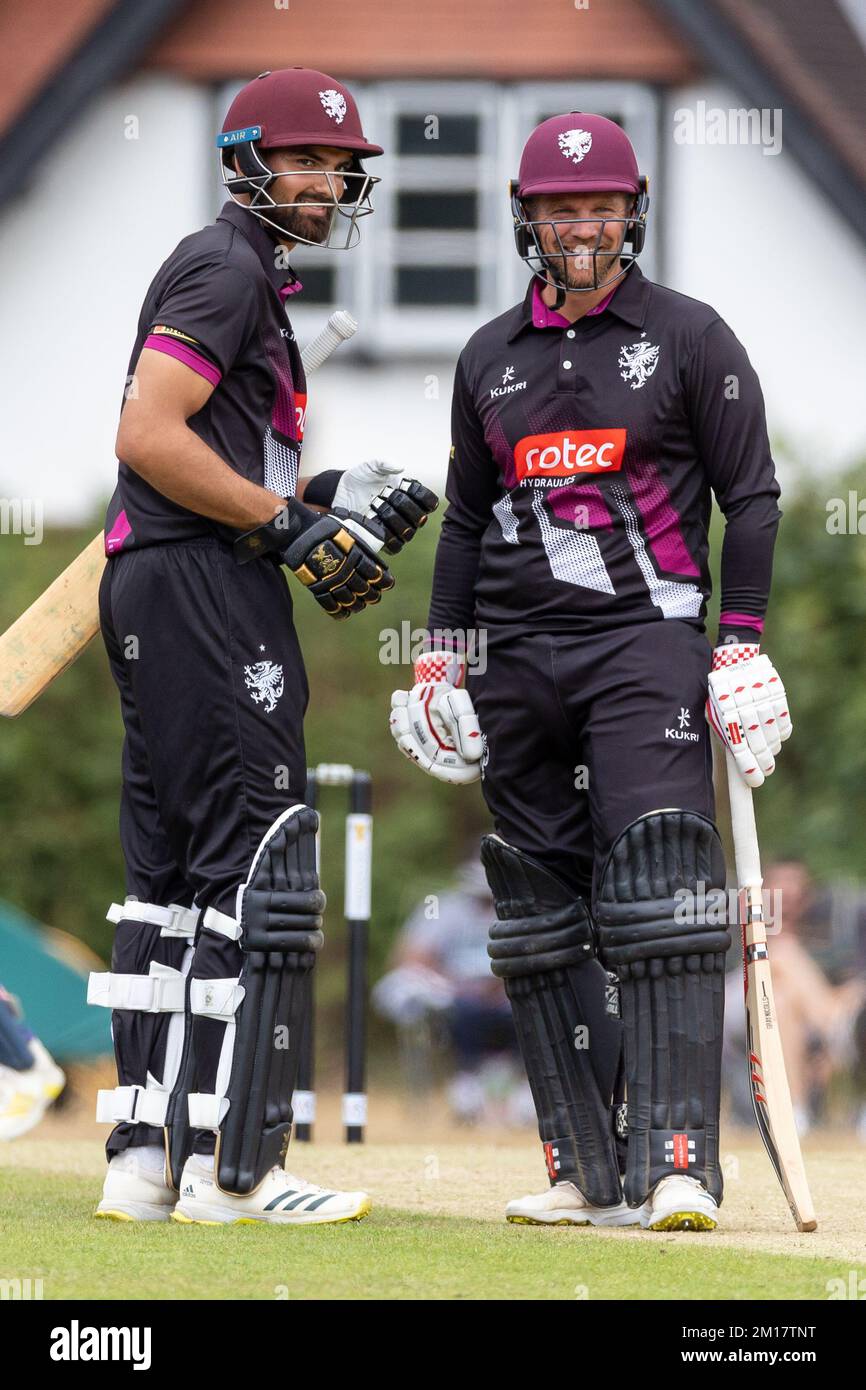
x: 768, y: 1079
x: 59, y: 625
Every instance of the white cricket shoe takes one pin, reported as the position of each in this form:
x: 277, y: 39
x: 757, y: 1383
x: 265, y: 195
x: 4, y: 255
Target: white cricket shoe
x: 135, y: 1187
x: 26, y: 1095
x: 564, y: 1205
x: 280, y: 1199
x: 680, y: 1204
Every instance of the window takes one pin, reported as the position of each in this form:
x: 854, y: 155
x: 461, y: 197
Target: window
x: 456, y: 135
x: 432, y: 259
x: 319, y: 282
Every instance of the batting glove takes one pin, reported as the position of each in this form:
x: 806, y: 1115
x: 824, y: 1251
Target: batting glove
x: 375, y: 490
x: 358, y: 486
x: 336, y: 560
x: 435, y: 723
x: 333, y: 556
x: 748, y: 709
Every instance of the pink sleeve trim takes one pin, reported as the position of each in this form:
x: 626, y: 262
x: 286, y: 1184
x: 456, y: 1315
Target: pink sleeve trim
x: 741, y: 620
x: 158, y: 342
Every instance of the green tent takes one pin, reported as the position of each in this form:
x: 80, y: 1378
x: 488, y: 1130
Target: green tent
x: 47, y: 970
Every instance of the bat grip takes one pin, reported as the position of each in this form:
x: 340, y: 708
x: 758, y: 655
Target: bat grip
x: 339, y: 327
x: 743, y: 827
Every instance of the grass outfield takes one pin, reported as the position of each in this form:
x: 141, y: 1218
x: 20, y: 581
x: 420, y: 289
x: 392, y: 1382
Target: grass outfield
x: 436, y: 1232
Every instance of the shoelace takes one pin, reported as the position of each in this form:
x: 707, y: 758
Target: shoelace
x: 299, y: 1183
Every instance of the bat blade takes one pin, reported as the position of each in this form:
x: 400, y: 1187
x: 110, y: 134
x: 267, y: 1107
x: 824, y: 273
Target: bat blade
x: 52, y: 632
x: 771, y: 1096
x: 768, y: 1078
x: 57, y: 627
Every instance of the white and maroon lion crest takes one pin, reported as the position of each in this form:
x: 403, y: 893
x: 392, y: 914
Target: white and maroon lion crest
x: 334, y: 103
x: 637, y: 363
x: 264, y: 681
x: 575, y: 144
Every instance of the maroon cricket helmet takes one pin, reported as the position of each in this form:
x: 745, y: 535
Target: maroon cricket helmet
x: 299, y: 106
x: 578, y: 153
x: 296, y: 108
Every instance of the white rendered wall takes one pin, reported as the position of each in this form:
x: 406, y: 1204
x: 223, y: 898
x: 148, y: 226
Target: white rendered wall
x: 77, y: 252
x: 750, y: 234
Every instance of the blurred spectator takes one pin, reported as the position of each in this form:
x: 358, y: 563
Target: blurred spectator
x: 29, y: 1077
x: 441, y: 976
x: 818, y: 1019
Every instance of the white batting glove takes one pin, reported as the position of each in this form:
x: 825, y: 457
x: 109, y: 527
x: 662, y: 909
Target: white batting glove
x: 435, y: 723
x: 359, y: 485
x: 748, y: 709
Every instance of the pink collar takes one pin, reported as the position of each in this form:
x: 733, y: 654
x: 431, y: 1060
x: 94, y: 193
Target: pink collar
x: 544, y: 317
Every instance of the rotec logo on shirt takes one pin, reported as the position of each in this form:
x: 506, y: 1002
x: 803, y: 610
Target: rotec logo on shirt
x: 573, y: 451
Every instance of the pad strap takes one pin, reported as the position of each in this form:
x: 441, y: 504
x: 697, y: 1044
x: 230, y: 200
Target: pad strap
x: 207, y: 1111
x: 222, y: 924
x: 173, y: 920
x: 219, y: 999
x: 132, y: 1105
x: 160, y: 992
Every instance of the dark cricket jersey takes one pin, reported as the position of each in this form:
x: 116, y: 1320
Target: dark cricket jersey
x: 218, y: 305
x: 583, y: 461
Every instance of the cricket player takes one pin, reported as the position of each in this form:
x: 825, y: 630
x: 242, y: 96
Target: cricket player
x: 210, y: 974
x: 591, y: 424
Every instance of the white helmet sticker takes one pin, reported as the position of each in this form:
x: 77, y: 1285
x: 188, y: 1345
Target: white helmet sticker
x: 334, y: 103
x: 575, y: 144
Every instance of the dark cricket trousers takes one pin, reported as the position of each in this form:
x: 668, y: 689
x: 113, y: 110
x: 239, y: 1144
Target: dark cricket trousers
x: 585, y: 734
x: 213, y: 693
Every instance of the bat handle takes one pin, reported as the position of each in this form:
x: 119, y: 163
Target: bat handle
x: 337, y: 330
x: 743, y: 827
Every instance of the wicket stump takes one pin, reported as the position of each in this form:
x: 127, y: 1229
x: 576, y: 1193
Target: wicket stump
x: 358, y: 860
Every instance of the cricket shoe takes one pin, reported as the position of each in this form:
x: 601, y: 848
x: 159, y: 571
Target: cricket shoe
x: 280, y: 1199
x: 26, y: 1095
x: 564, y: 1205
x: 135, y: 1187
x: 680, y: 1204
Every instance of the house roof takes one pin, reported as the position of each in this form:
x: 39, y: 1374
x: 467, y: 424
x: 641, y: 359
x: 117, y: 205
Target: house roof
x: 55, y: 58
x: 439, y: 38
x: 815, y: 53
x: 34, y: 45
x: 805, y: 60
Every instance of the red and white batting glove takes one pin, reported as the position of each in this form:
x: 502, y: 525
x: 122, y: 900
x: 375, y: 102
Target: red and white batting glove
x: 435, y: 723
x: 748, y: 709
